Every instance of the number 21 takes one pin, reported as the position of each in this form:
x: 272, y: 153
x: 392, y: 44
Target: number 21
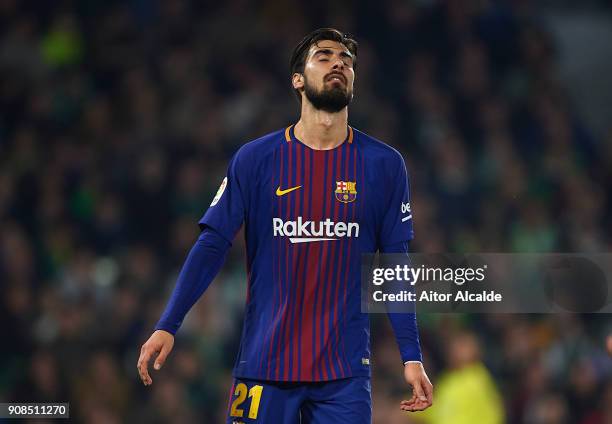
x: 241, y: 393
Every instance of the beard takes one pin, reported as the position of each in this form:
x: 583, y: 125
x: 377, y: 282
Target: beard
x: 328, y: 99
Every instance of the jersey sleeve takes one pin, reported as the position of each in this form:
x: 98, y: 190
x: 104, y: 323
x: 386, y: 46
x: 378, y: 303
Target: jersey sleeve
x: 404, y: 323
x: 201, y: 266
x: 397, y: 216
x: 227, y: 211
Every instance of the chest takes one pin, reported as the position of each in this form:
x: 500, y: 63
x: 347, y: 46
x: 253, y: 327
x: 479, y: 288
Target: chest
x: 318, y: 195
x: 317, y: 185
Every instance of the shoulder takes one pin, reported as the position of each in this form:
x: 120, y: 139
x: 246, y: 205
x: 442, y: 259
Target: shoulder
x: 381, y: 154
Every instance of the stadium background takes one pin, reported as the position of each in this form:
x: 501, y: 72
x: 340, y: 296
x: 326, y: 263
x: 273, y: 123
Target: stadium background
x: 117, y: 120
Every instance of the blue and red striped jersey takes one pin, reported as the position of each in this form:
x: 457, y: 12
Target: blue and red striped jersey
x: 309, y: 215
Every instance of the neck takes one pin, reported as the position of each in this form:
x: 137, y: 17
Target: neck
x: 321, y: 130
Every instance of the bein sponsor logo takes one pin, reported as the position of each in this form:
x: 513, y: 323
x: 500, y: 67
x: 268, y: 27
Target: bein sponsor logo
x: 305, y: 231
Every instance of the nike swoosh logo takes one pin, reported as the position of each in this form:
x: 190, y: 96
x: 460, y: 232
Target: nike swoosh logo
x: 280, y: 192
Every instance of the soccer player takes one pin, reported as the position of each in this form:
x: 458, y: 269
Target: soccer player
x: 313, y: 197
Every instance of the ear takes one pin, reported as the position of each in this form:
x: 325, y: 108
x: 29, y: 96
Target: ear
x: 297, y: 80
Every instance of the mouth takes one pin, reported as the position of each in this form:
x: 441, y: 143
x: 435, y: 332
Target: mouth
x: 336, y: 77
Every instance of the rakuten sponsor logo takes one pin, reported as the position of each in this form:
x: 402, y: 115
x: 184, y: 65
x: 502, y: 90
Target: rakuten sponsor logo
x: 304, y: 231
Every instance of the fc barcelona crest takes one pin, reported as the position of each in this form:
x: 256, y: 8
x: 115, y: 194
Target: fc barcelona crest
x: 346, y: 191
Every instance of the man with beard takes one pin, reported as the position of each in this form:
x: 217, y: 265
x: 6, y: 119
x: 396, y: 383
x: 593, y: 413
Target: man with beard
x: 313, y: 197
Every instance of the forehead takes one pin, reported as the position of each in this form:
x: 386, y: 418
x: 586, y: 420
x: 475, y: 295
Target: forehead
x: 328, y: 45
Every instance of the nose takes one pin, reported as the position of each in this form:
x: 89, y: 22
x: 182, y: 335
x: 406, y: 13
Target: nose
x: 338, y: 64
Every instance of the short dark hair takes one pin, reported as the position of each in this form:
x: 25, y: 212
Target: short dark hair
x: 300, y: 52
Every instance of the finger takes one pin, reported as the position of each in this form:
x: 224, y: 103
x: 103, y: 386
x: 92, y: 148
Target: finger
x: 417, y: 390
x: 409, y: 401
x: 141, y: 373
x: 161, y: 358
x: 139, y: 367
x: 411, y: 407
x: 420, y: 406
x: 143, y: 366
x: 144, y: 375
x: 408, y: 405
x: 429, y: 391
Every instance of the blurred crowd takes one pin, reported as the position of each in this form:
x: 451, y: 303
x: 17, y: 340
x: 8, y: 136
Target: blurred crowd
x: 117, y: 120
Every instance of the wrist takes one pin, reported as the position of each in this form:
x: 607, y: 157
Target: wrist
x: 165, y: 330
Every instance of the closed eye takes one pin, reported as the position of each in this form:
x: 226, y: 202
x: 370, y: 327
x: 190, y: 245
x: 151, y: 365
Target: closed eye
x: 323, y: 55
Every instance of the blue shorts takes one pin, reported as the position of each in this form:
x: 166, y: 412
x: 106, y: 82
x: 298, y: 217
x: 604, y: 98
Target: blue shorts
x: 347, y: 400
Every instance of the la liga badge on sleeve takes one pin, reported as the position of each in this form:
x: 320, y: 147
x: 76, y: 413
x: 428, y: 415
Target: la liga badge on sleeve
x: 219, y: 192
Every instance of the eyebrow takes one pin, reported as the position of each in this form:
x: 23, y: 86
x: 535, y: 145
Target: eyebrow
x: 343, y: 53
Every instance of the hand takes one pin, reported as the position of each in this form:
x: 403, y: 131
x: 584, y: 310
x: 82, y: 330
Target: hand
x: 160, y: 341
x: 422, y: 389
